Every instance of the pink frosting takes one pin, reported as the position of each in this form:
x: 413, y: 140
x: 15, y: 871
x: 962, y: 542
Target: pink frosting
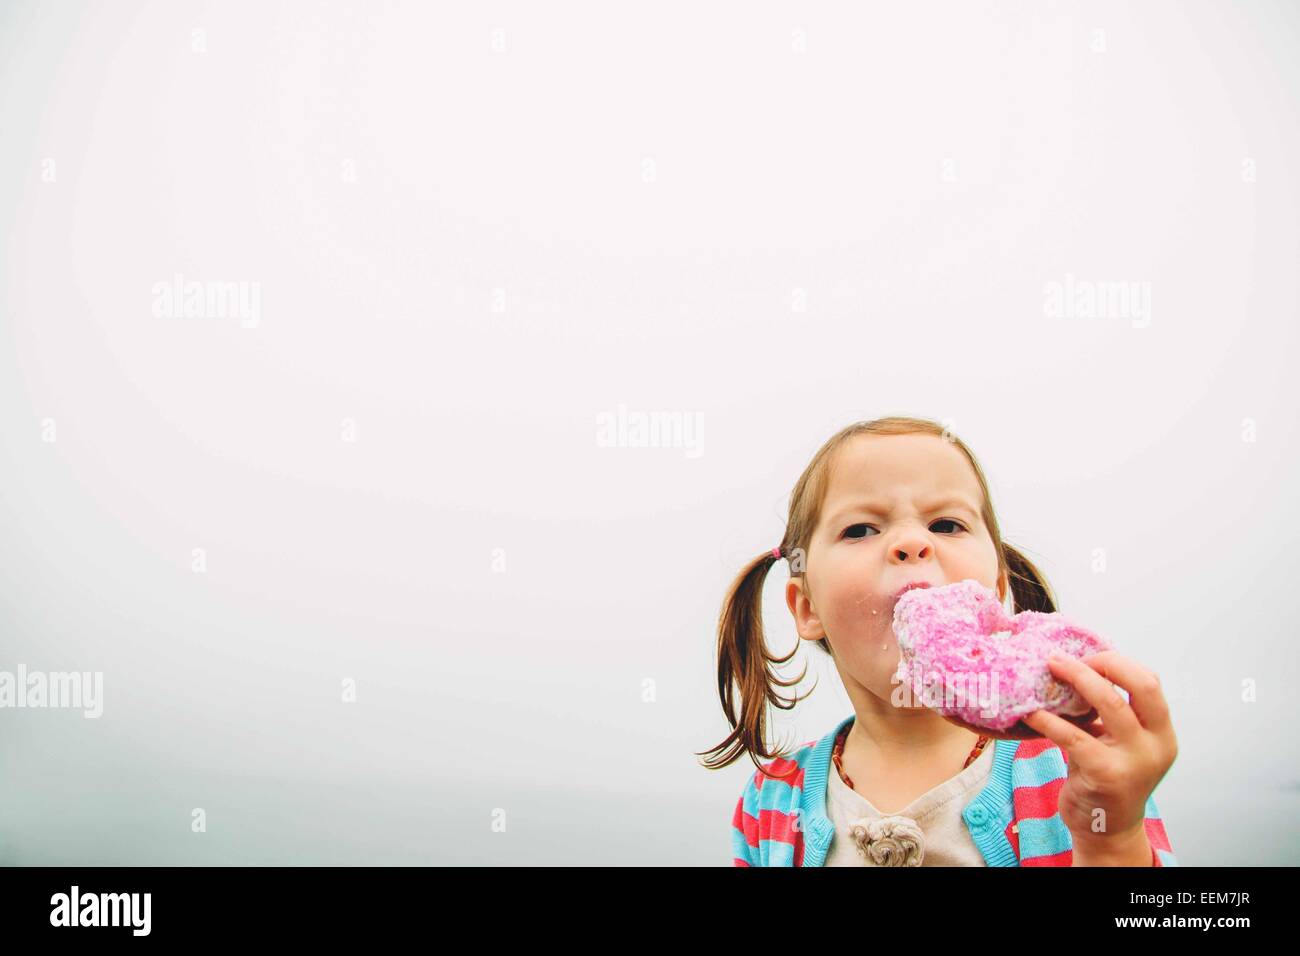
x: 963, y: 655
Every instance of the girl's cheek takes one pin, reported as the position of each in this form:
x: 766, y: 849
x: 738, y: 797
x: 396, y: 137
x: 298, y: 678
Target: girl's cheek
x: 854, y: 600
x: 874, y: 610
x: 866, y: 619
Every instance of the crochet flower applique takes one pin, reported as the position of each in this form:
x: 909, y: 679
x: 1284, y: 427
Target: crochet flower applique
x: 889, y: 841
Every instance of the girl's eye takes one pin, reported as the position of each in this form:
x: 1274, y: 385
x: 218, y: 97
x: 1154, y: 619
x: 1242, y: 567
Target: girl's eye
x: 852, y: 530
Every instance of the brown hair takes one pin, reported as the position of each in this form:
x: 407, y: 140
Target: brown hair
x: 744, y: 661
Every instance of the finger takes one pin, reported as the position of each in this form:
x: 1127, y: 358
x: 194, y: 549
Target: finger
x: 1146, y: 699
x: 1022, y: 731
x: 1094, y: 729
x: 1088, y: 723
x: 1084, y: 751
x: 1119, y: 717
x: 1019, y: 731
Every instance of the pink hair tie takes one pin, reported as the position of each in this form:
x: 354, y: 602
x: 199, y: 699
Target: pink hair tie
x: 776, y: 552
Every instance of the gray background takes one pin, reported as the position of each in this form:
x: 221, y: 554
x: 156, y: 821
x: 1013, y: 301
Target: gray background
x: 775, y: 218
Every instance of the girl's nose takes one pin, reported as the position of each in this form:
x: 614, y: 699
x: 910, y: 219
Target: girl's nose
x: 910, y: 547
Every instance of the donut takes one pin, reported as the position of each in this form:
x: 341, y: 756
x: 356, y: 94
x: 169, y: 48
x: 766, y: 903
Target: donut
x: 964, y: 656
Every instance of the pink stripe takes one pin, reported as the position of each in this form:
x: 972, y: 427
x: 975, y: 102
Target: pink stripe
x: 746, y: 824
x: 1156, y: 835
x: 1039, y: 802
x: 1064, y: 858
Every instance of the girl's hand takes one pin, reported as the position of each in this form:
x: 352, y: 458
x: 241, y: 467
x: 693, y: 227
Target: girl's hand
x: 1114, y: 763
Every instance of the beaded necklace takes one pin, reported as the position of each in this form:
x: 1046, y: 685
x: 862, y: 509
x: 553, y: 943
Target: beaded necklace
x: 838, y: 750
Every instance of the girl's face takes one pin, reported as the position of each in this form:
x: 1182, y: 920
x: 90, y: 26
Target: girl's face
x: 898, y: 509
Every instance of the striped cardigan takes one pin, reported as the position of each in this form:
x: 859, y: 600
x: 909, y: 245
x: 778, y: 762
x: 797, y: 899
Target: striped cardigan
x: 1013, y: 819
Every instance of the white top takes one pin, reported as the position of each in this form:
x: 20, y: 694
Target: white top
x: 930, y: 829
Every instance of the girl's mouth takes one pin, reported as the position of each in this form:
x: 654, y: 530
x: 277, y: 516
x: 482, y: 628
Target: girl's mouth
x: 910, y: 586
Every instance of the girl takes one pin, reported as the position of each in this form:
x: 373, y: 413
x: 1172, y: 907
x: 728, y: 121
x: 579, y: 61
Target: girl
x: 885, y: 504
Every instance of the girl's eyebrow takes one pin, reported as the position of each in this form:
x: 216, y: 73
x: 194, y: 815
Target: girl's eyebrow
x: 871, y: 507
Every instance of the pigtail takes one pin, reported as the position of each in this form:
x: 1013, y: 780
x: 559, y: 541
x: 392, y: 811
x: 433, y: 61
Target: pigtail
x: 745, y: 665
x: 1029, y: 588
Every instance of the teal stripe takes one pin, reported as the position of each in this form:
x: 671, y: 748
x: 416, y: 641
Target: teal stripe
x: 739, y: 846
x: 1151, y: 812
x: 818, y: 828
x: 1043, y: 836
x: 777, y: 795
x: 1044, y: 768
x: 776, y: 853
x: 740, y: 849
x: 994, y: 801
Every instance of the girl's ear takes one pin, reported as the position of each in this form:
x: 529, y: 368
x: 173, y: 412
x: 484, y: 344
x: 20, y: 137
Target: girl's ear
x: 806, y: 621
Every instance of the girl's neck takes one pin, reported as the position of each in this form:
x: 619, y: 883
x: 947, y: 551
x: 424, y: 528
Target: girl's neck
x: 917, y: 737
